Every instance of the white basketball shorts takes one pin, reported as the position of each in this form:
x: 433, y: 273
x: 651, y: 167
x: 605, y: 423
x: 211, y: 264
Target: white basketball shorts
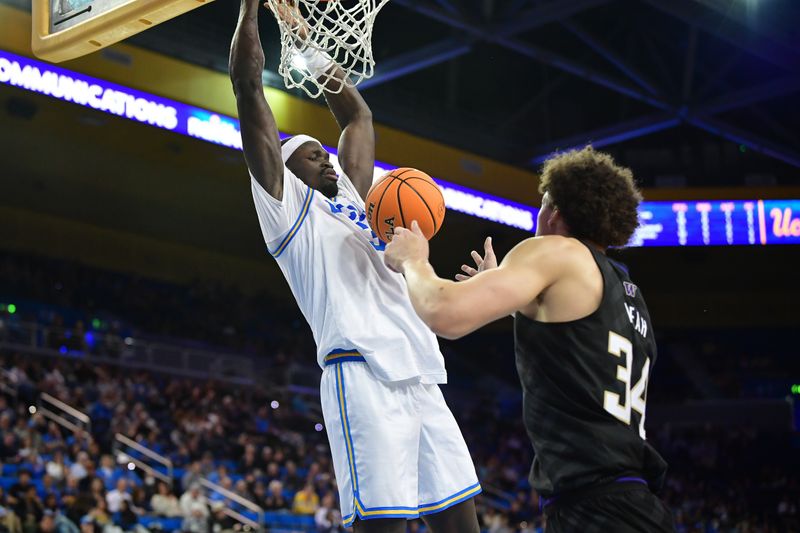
x: 397, y: 450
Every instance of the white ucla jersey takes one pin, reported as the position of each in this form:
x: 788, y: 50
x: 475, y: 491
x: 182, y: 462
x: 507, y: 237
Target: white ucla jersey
x: 334, y: 265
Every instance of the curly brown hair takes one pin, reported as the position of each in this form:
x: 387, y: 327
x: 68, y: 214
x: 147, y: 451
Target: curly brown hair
x: 596, y: 197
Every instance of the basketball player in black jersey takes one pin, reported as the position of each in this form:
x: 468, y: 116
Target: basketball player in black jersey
x: 584, y: 343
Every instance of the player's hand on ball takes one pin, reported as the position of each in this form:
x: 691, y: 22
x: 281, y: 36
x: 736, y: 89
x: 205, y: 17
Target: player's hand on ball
x: 488, y: 261
x: 407, y: 245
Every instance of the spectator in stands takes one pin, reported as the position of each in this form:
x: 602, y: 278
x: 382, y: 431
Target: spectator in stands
x: 305, y: 501
x: 9, y: 521
x: 250, y: 461
x: 56, y: 467
x: 220, y: 521
x: 128, y: 517
x: 291, y: 480
x: 194, y: 507
x: 115, y: 497
x: 30, y: 509
x: 107, y: 471
x: 97, y: 490
x: 258, y: 492
x: 18, y: 495
x: 328, y: 519
x: 51, y: 503
x: 9, y: 447
x: 79, y: 469
x: 192, y: 475
x: 47, y: 524
x: 53, y: 439
x: 48, y: 486
x: 219, y: 475
x: 164, y: 503
x: 275, y: 500
x: 140, y: 503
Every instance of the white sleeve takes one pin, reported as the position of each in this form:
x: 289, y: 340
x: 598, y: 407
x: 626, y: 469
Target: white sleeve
x: 279, y: 219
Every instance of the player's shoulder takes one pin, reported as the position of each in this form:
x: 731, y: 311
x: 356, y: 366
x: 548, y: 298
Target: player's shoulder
x: 552, y: 247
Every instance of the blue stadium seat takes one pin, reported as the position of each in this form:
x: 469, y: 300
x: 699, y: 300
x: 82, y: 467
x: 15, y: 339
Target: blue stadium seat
x: 166, y: 524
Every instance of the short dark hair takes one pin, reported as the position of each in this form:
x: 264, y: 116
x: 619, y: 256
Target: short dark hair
x: 597, y: 198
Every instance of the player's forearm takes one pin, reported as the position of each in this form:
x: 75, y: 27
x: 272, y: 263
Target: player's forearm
x: 346, y: 105
x: 247, y: 56
x: 429, y: 295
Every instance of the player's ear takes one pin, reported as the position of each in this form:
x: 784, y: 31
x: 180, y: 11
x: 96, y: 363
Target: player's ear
x: 554, y: 218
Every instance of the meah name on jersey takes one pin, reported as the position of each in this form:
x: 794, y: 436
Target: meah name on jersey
x: 638, y: 322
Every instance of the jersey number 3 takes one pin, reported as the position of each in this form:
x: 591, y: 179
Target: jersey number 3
x: 636, y: 397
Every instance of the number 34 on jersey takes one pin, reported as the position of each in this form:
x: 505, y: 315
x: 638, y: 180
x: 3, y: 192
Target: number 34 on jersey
x: 636, y: 396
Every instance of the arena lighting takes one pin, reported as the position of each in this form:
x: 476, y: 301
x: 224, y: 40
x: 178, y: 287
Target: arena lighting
x: 318, y: 427
x: 11, y: 308
x: 131, y: 466
x: 32, y: 409
x: 705, y: 223
x: 274, y: 404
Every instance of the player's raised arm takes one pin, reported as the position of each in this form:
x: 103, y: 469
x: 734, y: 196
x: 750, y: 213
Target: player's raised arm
x: 262, y: 145
x: 357, y: 141
x: 453, y: 309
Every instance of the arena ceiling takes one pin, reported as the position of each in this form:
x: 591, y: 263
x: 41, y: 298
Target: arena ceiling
x: 688, y: 92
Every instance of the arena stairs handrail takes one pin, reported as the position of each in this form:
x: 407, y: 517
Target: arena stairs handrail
x: 119, y: 438
x: 47, y: 402
x: 244, y: 502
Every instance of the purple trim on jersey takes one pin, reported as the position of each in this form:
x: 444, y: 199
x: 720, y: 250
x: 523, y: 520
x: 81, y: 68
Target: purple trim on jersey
x: 544, y: 502
x: 631, y: 480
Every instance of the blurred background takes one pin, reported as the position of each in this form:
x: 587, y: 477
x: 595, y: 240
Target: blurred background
x: 156, y: 372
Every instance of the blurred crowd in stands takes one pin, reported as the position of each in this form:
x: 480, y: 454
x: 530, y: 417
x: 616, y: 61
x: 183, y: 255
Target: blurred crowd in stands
x: 270, y: 447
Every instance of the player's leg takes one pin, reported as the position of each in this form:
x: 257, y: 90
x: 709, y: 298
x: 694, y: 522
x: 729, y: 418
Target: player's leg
x: 386, y: 525
x: 461, y: 518
x: 373, y: 429
x: 448, y: 483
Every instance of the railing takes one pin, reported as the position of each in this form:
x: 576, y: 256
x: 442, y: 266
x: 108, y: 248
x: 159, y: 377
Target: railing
x: 124, y: 456
x: 54, y: 409
x: 244, y: 502
x: 8, y: 384
x: 32, y: 338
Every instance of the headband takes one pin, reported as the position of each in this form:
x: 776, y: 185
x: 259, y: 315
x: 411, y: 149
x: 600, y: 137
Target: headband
x: 293, y: 144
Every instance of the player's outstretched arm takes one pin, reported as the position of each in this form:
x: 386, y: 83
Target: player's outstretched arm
x: 260, y: 140
x: 453, y: 309
x: 357, y: 141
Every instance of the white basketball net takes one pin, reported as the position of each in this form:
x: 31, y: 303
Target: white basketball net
x: 340, y: 28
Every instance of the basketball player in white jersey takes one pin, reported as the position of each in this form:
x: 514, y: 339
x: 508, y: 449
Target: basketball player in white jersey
x: 398, y: 453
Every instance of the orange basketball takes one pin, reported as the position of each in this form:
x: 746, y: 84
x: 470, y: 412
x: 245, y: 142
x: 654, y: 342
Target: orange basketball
x: 402, y: 196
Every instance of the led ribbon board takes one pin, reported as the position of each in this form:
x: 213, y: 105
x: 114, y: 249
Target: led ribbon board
x: 723, y: 223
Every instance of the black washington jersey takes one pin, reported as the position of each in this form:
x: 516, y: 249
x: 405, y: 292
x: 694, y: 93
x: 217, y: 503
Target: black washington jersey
x: 584, y: 390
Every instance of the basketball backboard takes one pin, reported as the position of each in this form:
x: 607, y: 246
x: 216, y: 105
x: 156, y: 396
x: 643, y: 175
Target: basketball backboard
x: 66, y: 29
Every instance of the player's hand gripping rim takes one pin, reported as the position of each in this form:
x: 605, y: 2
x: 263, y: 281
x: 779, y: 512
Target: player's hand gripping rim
x: 289, y: 13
